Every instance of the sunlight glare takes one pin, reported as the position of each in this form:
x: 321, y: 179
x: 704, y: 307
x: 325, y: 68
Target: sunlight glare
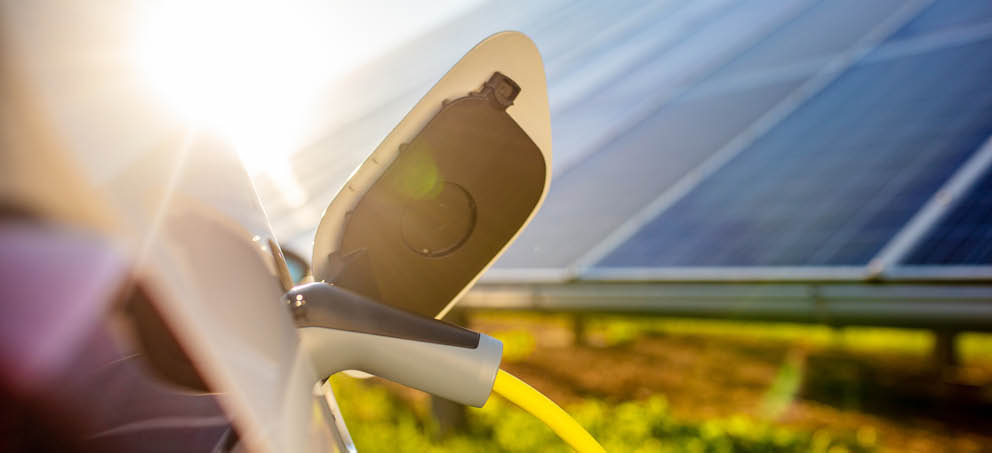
x: 246, y: 70
x: 256, y: 71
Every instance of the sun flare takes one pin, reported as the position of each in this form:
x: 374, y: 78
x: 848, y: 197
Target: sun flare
x: 245, y: 70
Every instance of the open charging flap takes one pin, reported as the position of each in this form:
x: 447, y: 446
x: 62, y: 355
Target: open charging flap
x: 449, y: 188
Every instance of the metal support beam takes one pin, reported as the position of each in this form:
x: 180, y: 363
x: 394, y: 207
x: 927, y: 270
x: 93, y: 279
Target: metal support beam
x: 964, y: 306
x: 944, y: 348
x: 450, y: 416
x: 580, y: 329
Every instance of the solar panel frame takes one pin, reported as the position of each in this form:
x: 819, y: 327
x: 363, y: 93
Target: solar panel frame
x: 963, y: 236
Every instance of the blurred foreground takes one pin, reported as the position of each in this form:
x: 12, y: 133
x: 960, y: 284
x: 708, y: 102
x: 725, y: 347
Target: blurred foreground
x: 705, y: 386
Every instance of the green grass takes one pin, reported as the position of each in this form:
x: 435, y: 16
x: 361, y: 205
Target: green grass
x: 382, y: 422
x: 616, y: 330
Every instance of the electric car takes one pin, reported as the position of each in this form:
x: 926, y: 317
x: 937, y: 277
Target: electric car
x: 147, y: 305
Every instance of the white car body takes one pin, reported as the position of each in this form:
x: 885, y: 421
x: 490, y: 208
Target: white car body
x: 180, y: 206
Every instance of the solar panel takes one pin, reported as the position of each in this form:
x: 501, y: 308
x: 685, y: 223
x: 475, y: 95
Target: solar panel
x: 642, y: 94
x: 948, y: 14
x: 592, y: 198
x: 837, y: 178
x: 614, y: 83
x: 822, y: 31
x: 964, y: 235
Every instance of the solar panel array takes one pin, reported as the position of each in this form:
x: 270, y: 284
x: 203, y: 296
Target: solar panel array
x: 829, y: 184
x: 719, y: 133
x: 836, y: 179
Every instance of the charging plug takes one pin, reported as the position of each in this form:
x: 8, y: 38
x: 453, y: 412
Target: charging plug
x: 342, y: 330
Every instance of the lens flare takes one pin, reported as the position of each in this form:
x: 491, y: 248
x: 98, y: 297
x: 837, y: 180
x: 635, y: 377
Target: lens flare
x: 248, y: 71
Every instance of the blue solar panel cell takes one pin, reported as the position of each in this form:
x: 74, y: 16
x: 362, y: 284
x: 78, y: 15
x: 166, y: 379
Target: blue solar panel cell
x: 948, y: 14
x: 831, y: 23
x: 964, y: 235
x: 593, y: 198
x: 602, y: 190
x: 834, y: 181
x: 607, y: 86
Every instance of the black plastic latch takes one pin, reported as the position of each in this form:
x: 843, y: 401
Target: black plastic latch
x: 501, y: 90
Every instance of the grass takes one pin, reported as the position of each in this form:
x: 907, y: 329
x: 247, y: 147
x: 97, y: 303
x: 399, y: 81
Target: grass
x: 614, y: 330
x: 381, y: 421
x: 682, y: 385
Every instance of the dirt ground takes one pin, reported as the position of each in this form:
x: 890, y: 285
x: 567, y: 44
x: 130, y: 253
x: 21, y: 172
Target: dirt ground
x: 901, y: 402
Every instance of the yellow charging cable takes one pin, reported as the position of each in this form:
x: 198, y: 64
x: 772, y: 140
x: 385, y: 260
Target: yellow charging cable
x: 530, y: 400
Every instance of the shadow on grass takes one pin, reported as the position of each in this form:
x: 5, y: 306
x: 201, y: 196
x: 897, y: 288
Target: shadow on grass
x: 898, y: 389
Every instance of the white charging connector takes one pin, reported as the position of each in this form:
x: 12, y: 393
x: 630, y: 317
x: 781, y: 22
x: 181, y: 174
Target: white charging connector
x: 342, y: 331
